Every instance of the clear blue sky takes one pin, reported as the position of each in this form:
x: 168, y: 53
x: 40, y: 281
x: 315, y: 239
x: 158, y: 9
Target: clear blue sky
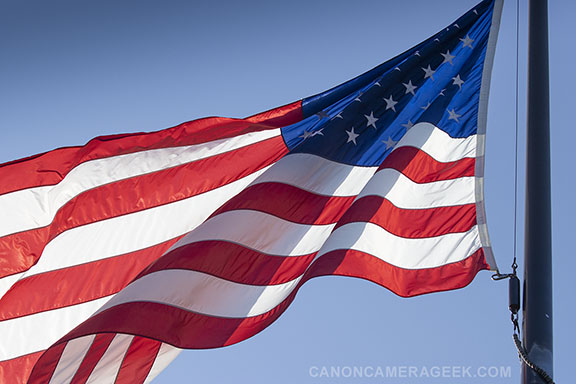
x: 72, y: 70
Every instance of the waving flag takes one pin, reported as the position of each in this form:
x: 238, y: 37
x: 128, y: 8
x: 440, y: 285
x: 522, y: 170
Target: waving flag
x: 117, y: 254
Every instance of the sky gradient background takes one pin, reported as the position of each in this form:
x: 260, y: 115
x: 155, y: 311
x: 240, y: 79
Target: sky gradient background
x: 74, y: 70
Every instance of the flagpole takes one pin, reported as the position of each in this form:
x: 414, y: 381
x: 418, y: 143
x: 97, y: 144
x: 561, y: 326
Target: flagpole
x: 537, y: 308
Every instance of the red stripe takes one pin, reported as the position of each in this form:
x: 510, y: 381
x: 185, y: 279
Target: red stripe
x: 420, y: 167
x: 411, y: 223
x: 97, y: 349
x: 279, y: 117
x: 17, y: 370
x: 42, y: 373
x: 51, y: 167
x: 42, y: 169
x: 403, y: 282
x: 233, y: 262
x: 174, y: 326
x: 77, y: 284
x: 138, y: 361
x: 289, y: 203
x: 21, y: 251
x: 90, y: 281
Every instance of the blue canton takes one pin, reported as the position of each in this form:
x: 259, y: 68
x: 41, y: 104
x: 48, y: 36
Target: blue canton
x: 437, y: 81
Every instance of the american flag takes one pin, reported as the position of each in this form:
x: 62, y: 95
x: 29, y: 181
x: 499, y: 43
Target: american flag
x: 117, y: 254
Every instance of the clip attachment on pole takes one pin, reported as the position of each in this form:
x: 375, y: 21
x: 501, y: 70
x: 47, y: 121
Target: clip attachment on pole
x: 502, y: 276
x: 514, y: 306
x: 514, y: 294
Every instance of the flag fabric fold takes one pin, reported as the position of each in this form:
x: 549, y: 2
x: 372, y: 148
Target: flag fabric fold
x: 117, y: 254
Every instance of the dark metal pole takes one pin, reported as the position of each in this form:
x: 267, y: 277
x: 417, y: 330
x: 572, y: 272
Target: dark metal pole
x: 537, y: 311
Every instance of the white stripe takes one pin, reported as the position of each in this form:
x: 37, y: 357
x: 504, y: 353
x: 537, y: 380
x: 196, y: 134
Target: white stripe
x: 138, y: 230
x: 165, y: 356
x: 260, y: 231
x: 318, y: 175
x: 206, y: 294
x: 404, y: 193
x: 42, y: 203
x: 70, y: 359
x: 26, y: 209
x: 401, y: 252
x: 438, y: 144
x: 39, y: 331
x: 109, y: 364
x: 7, y: 282
x: 202, y: 293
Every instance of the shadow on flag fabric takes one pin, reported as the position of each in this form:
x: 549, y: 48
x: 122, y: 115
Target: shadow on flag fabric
x: 117, y: 254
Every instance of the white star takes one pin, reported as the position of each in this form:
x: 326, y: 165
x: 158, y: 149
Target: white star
x: 458, y: 81
x: 306, y: 135
x: 409, y: 87
x: 389, y: 143
x: 378, y: 83
x: 408, y: 125
x: 427, y: 106
x: 352, y: 136
x: 437, y: 40
x: 442, y: 92
x: 322, y: 114
x: 453, y: 115
x: 417, y: 53
x: 456, y: 25
x: 397, y: 69
x: 371, y: 120
x: 448, y: 57
x: 338, y: 116
x: 429, y: 72
x: 476, y: 12
x: 318, y: 132
x: 390, y: 103
x: 358, y: 97
x: 467, y: 41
